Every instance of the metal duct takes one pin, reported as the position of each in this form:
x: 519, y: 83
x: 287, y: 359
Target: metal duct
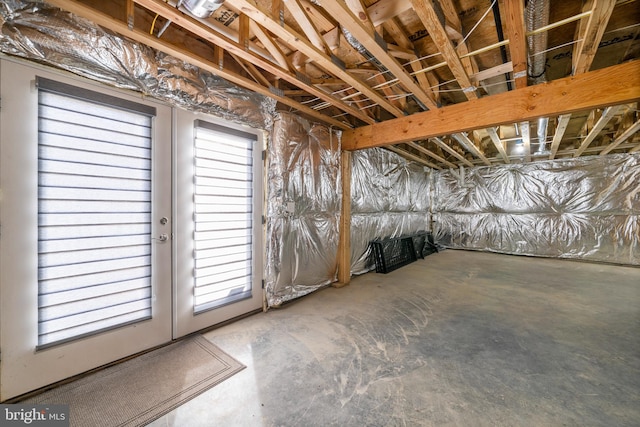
x: 39, y: 32
x: 202, y: 8
x: 536, y: 16
x: 543, y: 124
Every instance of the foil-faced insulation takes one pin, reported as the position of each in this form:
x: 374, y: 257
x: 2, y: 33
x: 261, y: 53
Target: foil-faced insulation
x: 390, y: 196
x: 304, y: 196
x: 586, y: 208
x: 39, y: 32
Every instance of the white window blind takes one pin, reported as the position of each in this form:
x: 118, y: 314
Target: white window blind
x: 223, y: 202
x: 94, y: 212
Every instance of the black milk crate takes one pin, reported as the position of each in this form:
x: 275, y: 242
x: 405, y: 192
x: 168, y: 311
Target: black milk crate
x: 423, y: 244
x: 393, y: 253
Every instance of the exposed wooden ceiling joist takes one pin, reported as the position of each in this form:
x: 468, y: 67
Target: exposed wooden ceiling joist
x: 413, y: 157
x: 607, y: 115
x: 292, y: 38
x: 427, y: 14
x: 364, y: 35
x: 622, y: 138
x: 514, y: 19
x: 207, y: 33
x: 156, y: 43
x: 590, y: 32
x: 618, y: 84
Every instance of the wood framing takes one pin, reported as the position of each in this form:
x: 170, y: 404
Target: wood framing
x: 563, y: 122
x: 591, y: 30
x: 619, y: 84
x: 607, y: 115
x: 410, y: 156
x: 143, y: 37
x: 344, y: 243
x: 622, y: 138
x: 514, y: 19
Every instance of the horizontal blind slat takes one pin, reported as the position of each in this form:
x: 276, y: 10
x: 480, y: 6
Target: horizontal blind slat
x: 94, y: 213
x: 223, y: 205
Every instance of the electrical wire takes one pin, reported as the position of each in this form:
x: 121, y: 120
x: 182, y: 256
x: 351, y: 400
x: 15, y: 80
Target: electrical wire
x: 153, y: 24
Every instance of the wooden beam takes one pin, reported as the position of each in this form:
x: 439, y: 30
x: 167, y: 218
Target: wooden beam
x: 622, y: 138
x: 468, y: 145
x: 218, y: 57
x: 344, y: 244
x: 635, y: 149
x: 308, y: 28
x: 516, y: 32
x: 427, y: 14
x: 364, y: 35
x: 590, y: 34
x: 440, y: 143
x: 130, y: 14
x: 607, y: 115
x: 563, y: 122
x: 255, y: 73
x: 498, y: 70
x: 383, y: 10
x: 619, y: 84
x: 243, y: 33
x: 108, y: 22
x: 430, y: 154
x: 453, y: 27
x: 392, y: 27
x: 407, y: 155
x: 292, y: 38
x: 232, y: 46
x: 493, y: 134
x: 270, y: 45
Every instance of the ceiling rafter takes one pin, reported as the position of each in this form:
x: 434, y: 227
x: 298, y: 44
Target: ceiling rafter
x: 493, y: 134
x: 231, y: 46
x: 516, y: 32
x: 440, y: 143
x: 590, y: 32
x: 271, y: 46
x: 425, y: 80
x: 429, y: 17
x: 292, y: 38
x: 622, y: 138
x: 430, y: 154
x: 364, y: 35
x: 453, y: 27
x: 563, y: 122
x: 308, y: 27
x: 144, y: 37
x: 413, y: 157
x: 608, y: 114
x: 470, y: 146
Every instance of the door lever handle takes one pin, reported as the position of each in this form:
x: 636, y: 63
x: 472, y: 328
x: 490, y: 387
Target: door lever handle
x: 163, y: 237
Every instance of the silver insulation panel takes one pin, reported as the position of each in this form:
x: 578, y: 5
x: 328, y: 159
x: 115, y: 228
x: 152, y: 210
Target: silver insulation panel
x: 586, y: 208
x: 303, y: 208
x: 390, y: 196
x: 39, y: 32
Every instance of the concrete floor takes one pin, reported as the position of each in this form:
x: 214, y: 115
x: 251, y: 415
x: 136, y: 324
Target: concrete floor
x: 457, y: 339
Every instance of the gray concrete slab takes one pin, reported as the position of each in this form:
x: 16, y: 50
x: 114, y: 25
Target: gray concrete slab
x: 458, y: 339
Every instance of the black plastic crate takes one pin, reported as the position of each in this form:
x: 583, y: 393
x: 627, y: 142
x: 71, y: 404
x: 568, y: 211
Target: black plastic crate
x: 423, y: 244
x: 393, y: 253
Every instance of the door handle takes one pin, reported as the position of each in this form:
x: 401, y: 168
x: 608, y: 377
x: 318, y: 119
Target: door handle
x: 163, y: 237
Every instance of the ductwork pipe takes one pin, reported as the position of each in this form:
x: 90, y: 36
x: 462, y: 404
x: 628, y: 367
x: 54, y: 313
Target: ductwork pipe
x: 536, y: 16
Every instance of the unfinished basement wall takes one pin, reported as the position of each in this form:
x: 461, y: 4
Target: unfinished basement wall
x: 303, y: 208
x: 586, y: 208
x: 390, y: 196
